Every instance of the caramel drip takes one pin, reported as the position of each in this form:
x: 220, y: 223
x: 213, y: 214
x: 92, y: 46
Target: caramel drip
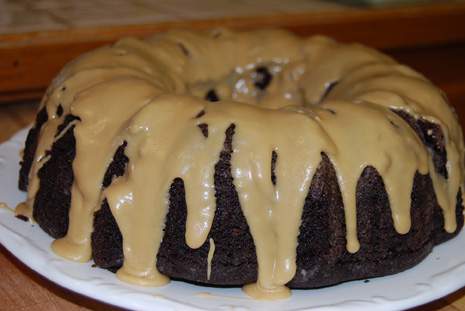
x: 272, y: 211
x: 3, y: 205
x: 395, y: 134
x: 324, y: 97
x: 211, y: 252
x: 170, y: 155
x: 63, y: 92
x: 97, y: 132
x: 22, y: 209
x: 404, y: 89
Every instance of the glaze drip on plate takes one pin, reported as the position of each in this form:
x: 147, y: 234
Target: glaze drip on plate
x: 172, y: 98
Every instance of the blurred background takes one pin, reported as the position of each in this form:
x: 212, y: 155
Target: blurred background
x: 38, y: 37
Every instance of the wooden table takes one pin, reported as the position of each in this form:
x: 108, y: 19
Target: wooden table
x: 23, y: 289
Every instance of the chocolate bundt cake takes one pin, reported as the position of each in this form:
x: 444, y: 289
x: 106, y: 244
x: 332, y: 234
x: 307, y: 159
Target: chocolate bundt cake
x: 256, y: 159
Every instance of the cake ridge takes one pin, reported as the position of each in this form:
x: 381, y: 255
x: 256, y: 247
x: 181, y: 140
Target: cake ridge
x: 119, y: 93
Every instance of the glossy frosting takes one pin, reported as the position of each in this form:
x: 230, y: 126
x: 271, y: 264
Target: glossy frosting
x: 151, y: 95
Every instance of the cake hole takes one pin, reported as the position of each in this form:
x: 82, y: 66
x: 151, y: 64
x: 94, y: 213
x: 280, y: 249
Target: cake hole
x: 63, y: 88
x: 211, y: 96
x: 60, y: 110
x: 204, y: 129
x: 274, y: 158
x: 183, y: 48
x: 262, y: 78
x: 331, y: 111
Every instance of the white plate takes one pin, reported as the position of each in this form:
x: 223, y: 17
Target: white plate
x: 441, y: 273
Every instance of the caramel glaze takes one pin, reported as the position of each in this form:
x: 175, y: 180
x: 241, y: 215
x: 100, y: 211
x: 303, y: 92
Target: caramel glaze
x: 322, y: 97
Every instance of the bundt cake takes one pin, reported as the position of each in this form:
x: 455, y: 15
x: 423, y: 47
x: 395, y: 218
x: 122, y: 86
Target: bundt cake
x: 256, y: 159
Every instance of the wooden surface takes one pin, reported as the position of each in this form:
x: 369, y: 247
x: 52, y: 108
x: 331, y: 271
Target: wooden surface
x: 22, y: 289
x: 31, y: 54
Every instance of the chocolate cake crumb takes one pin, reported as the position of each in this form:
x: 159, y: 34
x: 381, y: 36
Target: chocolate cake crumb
x: 204, y: 128
x: 262, y: 78
x: 106, y: 239
x: 53, y: 199
x: 432, y: 136
x: 117, y: 166
x: 274, y: 158
x: 30, y: 149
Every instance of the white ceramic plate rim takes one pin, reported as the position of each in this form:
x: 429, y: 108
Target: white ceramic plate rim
x: 441, y: 273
